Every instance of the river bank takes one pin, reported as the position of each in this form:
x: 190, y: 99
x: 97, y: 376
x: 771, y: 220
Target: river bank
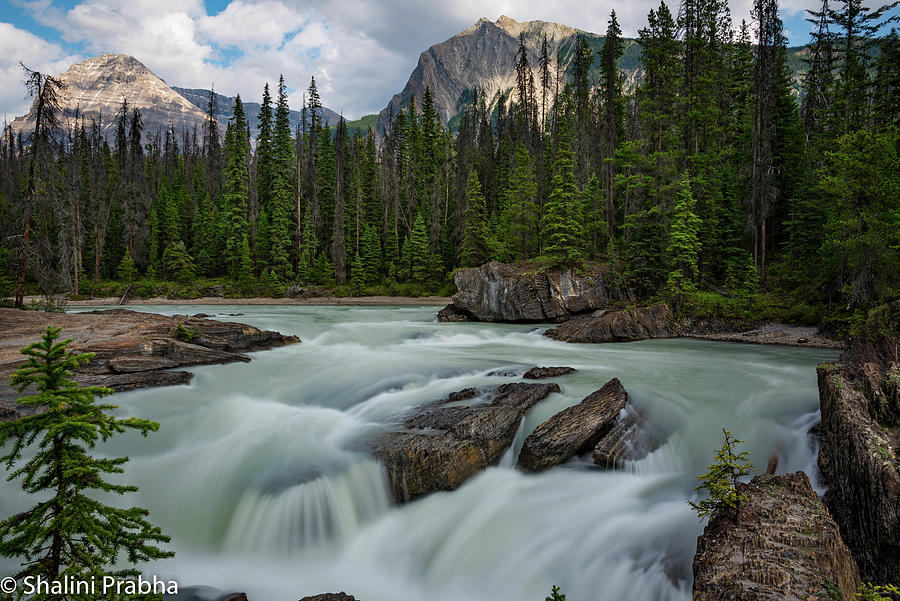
x: 363, y: 301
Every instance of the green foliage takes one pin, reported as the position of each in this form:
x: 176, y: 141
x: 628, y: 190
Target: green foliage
x: 178, y: 263
x: 183, y: 334
x: 720, y: 482
x: 127, y: 270
x: 684, y: 245
x: 563, y: 220
x: 476, y: 237
x: 69, y: 534
x: 879, y: 592
x: 555, y: 595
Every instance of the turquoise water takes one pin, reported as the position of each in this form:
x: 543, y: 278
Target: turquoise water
x: 261, y: 474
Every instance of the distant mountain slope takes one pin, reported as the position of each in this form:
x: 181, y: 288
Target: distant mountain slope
x: 95, y: 88
x: 483, y: 58
x: 225, y: 104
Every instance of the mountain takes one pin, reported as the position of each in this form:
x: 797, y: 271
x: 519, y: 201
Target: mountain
x: 224, y: 104
x: 483, y: 57
x: 96, y: 86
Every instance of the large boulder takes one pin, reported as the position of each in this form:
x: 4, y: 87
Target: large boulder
x: 860, y: 429
x: 623, y: 325
x: 506, y: 293
x: 631, y: 439
x: 444, y: 444
x: 785, y: 546
x: 574, y: 430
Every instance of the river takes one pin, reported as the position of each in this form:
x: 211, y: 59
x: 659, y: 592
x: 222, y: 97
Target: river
x: 261, y: 475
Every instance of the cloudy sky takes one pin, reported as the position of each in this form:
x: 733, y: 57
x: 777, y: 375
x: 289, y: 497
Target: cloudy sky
x: 360, y: 51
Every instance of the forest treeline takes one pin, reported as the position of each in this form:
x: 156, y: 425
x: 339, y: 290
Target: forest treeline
x: 713, y: 175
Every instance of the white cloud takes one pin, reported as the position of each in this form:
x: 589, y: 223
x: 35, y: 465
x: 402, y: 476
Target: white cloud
x: 19, y: 45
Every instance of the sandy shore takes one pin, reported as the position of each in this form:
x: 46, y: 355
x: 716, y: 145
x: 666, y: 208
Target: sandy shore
x: 409, y: 301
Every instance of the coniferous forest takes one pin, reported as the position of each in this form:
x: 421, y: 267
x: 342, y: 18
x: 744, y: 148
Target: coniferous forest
x: 720, y: 183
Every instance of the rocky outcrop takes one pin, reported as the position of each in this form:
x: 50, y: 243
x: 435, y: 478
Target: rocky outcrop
x: 574, y: 430
x: 444, y: 444
x: 506, y: 293
x: 785, y: 546
x: 630, y: 439
x: 341, y: 596
x: 860, y: 429
x: 538, y: 373
x: 131, y: 349
x: 623, y: 325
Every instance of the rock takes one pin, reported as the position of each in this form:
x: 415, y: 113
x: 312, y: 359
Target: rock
x: 451, y: 313
x: 630, y: 439
x: 537, y: 373
x: 784, y: 547
x: 441, y: 445
x: 341, y: 596
x: 233, y: 597
x: 860, y: 405
x: 619, y: 326
x: 505, y: 293
x: 131, y: 349
x: 574, y: 430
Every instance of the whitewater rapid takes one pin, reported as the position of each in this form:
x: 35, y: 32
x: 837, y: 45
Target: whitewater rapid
x: 261, y: 472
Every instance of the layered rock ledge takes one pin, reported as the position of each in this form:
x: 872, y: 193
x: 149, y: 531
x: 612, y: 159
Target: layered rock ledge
x: 132, y: 349
x: 443, y: 444
x: 658, y: 321
x: 860, y: 429
x: 574, y: 430
x: 785, y: 546
x: 506, y: 293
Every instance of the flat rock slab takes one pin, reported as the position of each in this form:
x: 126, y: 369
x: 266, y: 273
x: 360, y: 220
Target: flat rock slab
x: 445, y: 443
x: 538, y: 373
x: 623, y: 325
x: 785, y: 546
x: 132, y: 349
x: 574, y: 430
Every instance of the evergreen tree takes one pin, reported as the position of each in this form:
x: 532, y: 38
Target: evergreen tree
x: 721, y: 481
x: 521, y: 211
x: 70, y: 534
x: 282, y: 186
x: 613, y: 115
x: 236, y: 192
x: 475, y: 244
x: 563, y: 217
x: 684, y: 245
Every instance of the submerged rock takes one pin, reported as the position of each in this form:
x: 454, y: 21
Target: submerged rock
x: 506, y: 293
x: 630, y: 439
x: 131, y: 349
x: 860, y: 429
x: 538, y: 373
x: 444, y: 444
x: 784, y: 547
x: 574, y: 430
x: 622, y: 325
x: 341, y: 596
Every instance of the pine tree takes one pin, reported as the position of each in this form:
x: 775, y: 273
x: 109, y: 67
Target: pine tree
x: 564, y: 214
x: 282, y: 204
x: 521, y: 210
x: 684, y: 243
x: 613, y: 115
x: 127, y: 270
x: 236, y: 192
x: 721, y: 481
x: 475, y: 244
x: 70, y: 534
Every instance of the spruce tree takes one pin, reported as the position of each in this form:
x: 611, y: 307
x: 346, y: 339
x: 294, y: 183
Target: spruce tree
x: 684, y: 243
x: 235, y: 198
x: 475, y: 245
x: 70, y: 534
x: 282, y: 204
x: 564, y: 213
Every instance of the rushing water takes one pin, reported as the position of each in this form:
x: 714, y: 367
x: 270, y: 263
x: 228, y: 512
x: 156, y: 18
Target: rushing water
x: 260, y: 471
